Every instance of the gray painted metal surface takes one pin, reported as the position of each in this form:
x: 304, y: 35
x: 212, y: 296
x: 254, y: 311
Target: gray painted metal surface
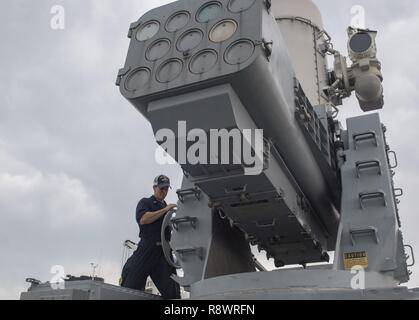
x: 225, y: 65
x: 281, y: 224
x: 299, y: 285
x: 264, y: 84
x: 84, y: 290
x: 369, y: 224
x: 198, y: 248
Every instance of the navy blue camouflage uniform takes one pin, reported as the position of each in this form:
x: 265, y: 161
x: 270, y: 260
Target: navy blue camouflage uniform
x: 148, y: 259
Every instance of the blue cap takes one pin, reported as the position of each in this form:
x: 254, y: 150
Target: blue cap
x: 161, y: 181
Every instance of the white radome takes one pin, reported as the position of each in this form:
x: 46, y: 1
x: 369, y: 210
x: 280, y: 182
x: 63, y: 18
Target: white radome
x: 302, y: 8
x: 301, y: 23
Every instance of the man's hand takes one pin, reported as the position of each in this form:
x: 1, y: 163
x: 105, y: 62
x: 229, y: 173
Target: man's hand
x: 171, y: 207
x: 150, y: 217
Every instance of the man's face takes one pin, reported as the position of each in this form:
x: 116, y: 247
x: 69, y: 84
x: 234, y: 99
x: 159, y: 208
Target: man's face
x: 161, y: 193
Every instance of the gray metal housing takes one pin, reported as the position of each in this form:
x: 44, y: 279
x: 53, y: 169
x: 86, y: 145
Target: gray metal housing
x: 291, y: 210
x: 264, y: 84
x: 84, y: 290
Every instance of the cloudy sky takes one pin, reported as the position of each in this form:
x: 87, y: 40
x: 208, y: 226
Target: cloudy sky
x: 75, y: 157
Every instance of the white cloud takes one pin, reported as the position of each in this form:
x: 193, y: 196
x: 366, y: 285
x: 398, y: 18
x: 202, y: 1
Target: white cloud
x: 57, y: 199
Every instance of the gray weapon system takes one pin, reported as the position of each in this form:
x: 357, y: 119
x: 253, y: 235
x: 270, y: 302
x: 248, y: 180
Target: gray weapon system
x: 226, y: 64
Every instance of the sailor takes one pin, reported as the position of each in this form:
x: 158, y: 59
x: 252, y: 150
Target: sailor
x: 148, y: 259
